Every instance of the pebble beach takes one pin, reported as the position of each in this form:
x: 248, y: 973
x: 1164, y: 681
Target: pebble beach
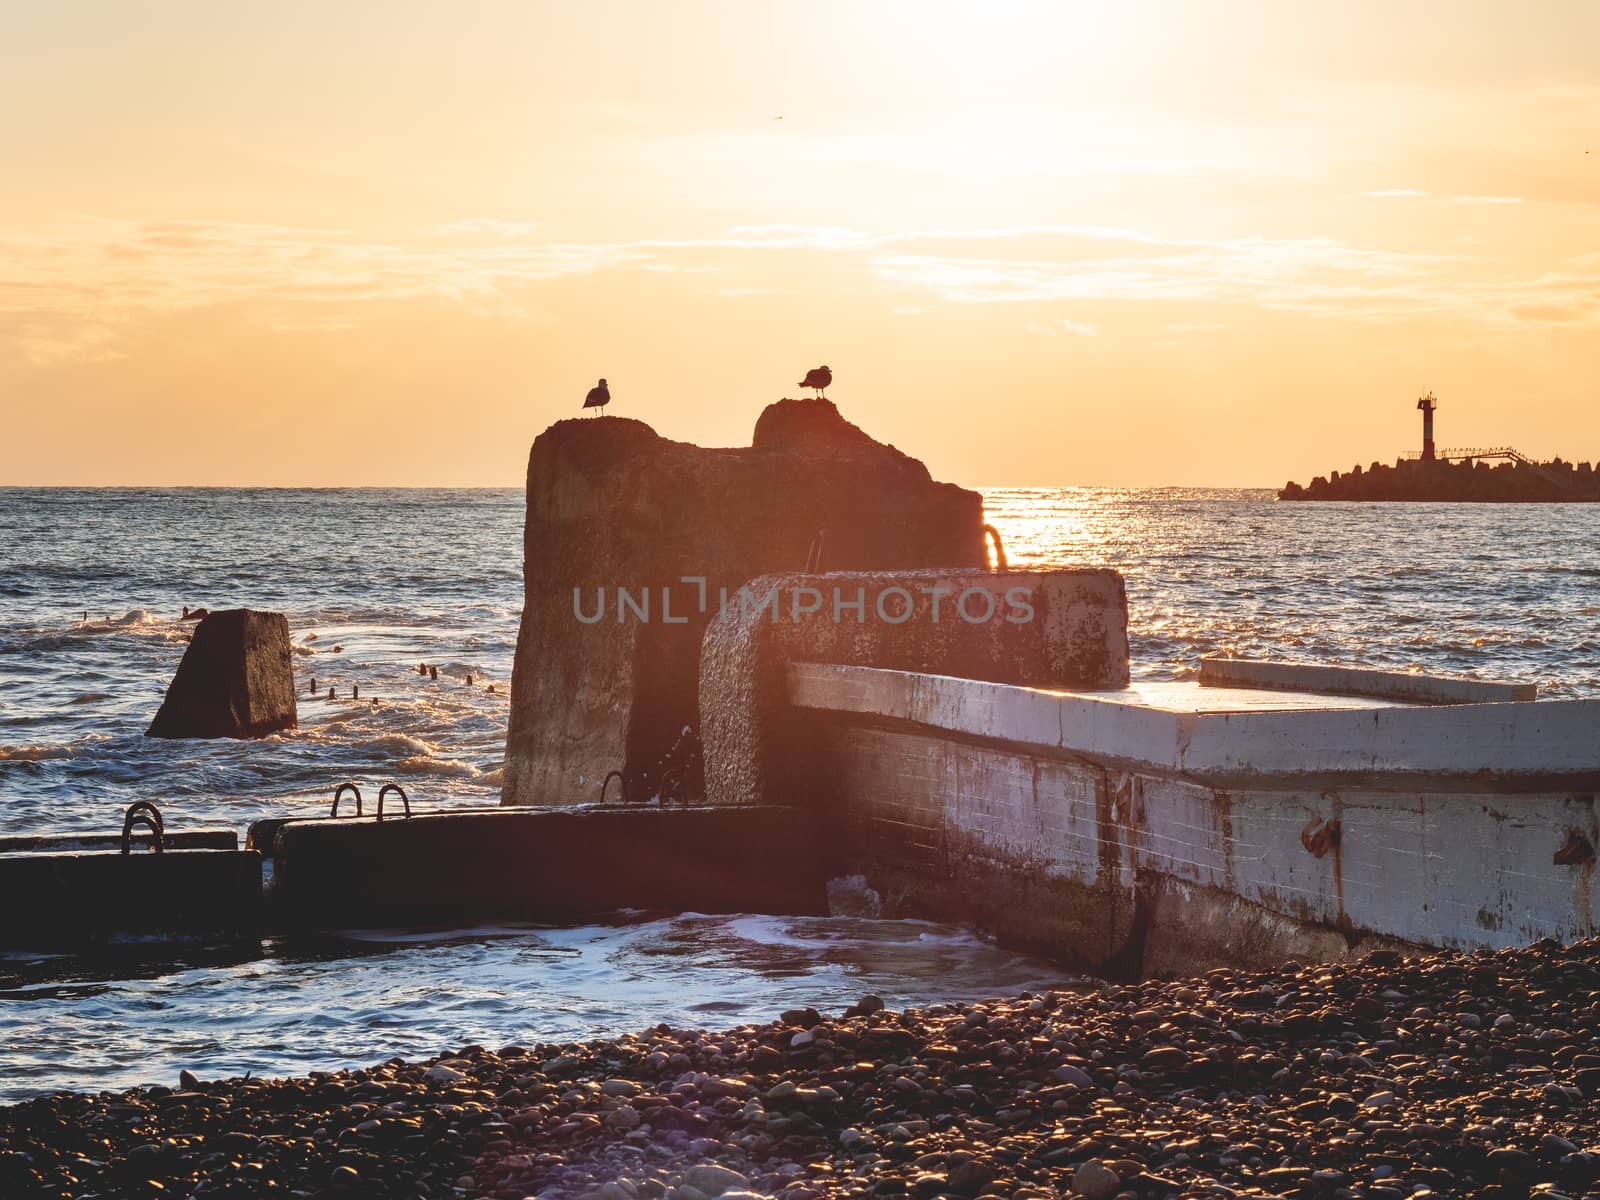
x: 1438, y: 1075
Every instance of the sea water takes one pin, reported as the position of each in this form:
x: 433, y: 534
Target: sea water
x: 376, y: 582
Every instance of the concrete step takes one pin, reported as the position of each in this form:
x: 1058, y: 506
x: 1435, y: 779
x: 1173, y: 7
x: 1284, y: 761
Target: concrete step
x: 80, y: 899
x: 187, y: 839
x: 542, y: 864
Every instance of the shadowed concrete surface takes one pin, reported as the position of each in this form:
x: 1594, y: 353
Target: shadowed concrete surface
x: 618, y: 516
x: 78, y: 899
x: 236, y: 680
x: 545, y: 865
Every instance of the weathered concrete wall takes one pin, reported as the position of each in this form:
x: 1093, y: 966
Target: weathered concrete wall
x: 1127, y: 869
x: 611, y: 505
x: 235, y: 680
x: 1063, y: 629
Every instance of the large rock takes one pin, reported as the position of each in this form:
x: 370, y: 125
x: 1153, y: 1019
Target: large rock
x: 612, y: 505
x: 1047, y: 629
x: 236, y: 679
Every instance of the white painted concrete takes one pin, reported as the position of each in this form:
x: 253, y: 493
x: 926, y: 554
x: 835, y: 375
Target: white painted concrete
x: 1460, y: 869
x: 1514, y: 742
x: 1354, y: 681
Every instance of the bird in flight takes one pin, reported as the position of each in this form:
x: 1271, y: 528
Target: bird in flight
x: 819, y: 378
x: 599, y: 396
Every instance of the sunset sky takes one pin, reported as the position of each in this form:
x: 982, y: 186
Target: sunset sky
x: 1044, y: 243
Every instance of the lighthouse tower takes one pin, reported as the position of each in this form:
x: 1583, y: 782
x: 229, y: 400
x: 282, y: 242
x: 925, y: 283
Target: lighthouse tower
x: 1427, y: 404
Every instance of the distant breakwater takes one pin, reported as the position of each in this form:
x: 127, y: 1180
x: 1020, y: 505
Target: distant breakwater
x: 1468, y: 479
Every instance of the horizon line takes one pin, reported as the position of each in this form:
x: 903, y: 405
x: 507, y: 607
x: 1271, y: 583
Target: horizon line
x: 502, y: 487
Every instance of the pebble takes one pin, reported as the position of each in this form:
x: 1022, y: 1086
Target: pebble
x: 1332, y: 1081
x: 1096, y: 1180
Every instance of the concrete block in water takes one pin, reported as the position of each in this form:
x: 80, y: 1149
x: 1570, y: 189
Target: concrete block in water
x: 1042, y: 629
x: 629, y: 543
x: 236, y: 680
x: 546, y: 864
x: 79, y: 899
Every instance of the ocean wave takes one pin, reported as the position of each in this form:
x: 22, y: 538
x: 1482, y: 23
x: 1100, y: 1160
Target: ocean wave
x: 402, y: 743
x: 89, y: 697
x: 422, y: 764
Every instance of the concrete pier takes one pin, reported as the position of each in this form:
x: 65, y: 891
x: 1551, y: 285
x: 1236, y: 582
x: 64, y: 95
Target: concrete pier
x: 1134, y: 833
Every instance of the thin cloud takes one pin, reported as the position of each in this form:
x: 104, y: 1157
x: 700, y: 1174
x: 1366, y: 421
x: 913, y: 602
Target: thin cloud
x: 1310, y: 276
x: 1396, y: 194
x: 68, y: 292
x: 1064, y: 325
x: 484, y: 225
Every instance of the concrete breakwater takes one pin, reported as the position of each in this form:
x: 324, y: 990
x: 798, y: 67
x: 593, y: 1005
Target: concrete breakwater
x: 965, y: 740
x: 1436, y: 1075
x: 1114, y: 829
x: 1137, y: 832
x: 615, y: 508
x: 1513, y: 480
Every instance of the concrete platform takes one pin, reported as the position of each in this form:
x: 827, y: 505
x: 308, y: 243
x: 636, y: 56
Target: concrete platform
x: 1188, y: 696
x: 1225, y: 736
x: 75, y: 900
x: 1359, y: 681
x: 546, y: 865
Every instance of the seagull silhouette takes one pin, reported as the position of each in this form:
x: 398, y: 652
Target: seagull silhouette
x: 818, y: 377
x: 598, y: 397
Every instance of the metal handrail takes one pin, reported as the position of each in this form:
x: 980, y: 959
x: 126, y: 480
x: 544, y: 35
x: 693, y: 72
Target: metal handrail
x: 340, y: 791
x: 142, y: 812
x: 393, y: 787
x: 1476, y: 452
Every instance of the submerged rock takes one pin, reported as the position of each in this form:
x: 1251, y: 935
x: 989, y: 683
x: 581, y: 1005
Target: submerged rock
x: 236, y: 680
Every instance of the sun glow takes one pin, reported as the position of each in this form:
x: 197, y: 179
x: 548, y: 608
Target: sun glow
x: 1140, y: 225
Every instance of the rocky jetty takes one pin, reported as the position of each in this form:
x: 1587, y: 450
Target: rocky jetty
x: 236, y: 680
x: 1465, y: 480
x: 632, y: 544
x: 1440, y: 1075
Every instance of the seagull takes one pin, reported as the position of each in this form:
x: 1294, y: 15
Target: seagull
x: 598, y: 397
x: 819, y: 378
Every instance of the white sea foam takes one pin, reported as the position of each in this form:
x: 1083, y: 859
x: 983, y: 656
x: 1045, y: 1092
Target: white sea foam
x: 401, y: 743
x: 35, y: 753
x: 421, y: 764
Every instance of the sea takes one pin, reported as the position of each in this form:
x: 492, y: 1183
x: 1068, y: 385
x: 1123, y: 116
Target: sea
x: 376, y: 582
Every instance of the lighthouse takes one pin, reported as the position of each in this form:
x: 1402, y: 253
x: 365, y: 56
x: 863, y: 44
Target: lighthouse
x: 1427, y: 404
